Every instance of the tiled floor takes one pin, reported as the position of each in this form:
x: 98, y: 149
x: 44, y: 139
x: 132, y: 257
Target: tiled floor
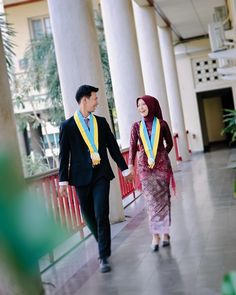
x: 203, y: 241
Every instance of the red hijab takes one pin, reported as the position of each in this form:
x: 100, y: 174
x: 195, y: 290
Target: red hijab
x: 154, y: 109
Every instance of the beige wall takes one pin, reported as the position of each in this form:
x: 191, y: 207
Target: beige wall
x: 19, y: 17
x: 189, y: 103
x: 184, y: 55
x: 232, y: 12
x: 214, y: 118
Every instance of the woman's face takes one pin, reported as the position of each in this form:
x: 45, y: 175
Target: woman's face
x: 142, y: 108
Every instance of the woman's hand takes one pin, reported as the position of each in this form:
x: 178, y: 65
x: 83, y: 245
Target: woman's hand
x: 129, y: 178
x: 63, y: 190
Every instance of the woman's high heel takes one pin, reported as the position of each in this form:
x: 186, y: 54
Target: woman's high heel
x: 155, y: 243
x: 166, y: 243
x: 155, y: 248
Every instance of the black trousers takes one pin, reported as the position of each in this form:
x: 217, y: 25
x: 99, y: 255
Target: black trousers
x: 94, y: 204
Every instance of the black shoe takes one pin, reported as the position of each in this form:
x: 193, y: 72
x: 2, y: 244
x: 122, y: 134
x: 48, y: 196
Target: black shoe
x: 104, y: 265
x: 166, y: 244
x: 155, y: 248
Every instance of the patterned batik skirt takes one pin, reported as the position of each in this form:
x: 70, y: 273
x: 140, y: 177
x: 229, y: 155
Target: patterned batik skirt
x: 156, y: 191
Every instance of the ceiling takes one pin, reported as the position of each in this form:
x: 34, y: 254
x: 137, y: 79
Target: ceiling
x: 7, y: 2
x: 187, y: 18
x: 14, y: 2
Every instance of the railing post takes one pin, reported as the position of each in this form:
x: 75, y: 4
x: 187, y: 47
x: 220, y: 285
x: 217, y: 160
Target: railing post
x: 187, y: 135
x: 178, y: 157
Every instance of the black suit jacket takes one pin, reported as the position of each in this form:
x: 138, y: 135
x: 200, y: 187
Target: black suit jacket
x: 75, y: 162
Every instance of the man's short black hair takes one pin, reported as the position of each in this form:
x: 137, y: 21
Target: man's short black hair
x: 85, y: 90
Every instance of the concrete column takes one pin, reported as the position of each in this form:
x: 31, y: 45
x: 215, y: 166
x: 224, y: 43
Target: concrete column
x: 173, y: 91
x: 78, y: 60
x: 126, y: 72
x: 150, y: 56
x: 8, y: 134
x: 77, y: 51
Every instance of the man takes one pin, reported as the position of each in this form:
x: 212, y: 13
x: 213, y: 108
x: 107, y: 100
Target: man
x: 84, y: 140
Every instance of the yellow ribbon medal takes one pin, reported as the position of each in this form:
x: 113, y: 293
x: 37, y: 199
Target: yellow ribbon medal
x: 89, y: 136
x: 150, y: 146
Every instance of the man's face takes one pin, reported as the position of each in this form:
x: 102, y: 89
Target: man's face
x: 91, y: 102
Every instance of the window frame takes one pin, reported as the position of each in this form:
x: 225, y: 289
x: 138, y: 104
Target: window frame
x: 42, y: 19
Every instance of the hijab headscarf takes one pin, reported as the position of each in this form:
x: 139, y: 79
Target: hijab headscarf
x: 154, y: 109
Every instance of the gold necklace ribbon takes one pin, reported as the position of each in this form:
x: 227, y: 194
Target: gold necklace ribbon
x: 150, y: 146
x: 89, y: 136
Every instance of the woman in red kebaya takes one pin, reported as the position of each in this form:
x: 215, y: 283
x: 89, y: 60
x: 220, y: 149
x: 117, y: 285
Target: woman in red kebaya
x: 151, y: 138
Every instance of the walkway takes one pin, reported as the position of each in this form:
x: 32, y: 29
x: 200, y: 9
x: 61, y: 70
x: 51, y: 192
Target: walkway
x: 203, y: 241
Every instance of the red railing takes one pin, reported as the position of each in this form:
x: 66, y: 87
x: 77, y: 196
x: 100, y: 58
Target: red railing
x: 187, y: 135
x: 66, y: 210
x: 128, y: 188
x: 175, y: 141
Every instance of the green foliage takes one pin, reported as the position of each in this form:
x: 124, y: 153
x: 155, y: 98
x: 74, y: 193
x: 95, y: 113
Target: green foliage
x: 7, y: 33
x: 42, y: 74
x: 230, y: 120
x: 22, y: 121
x: 27, y: 230
x: 39, y: 85
x: 229, y: 284
x: 34, y: 165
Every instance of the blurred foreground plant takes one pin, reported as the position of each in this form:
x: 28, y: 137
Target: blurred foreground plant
x: 27, y: 231
x: 230, y: 121
x: 229, y: 284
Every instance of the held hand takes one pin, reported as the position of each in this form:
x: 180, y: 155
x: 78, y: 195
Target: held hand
x: 129, y: 178
x: 131, y: 169
x: 63, y: 190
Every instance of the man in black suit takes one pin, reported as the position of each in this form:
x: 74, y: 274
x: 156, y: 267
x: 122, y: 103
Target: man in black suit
x: 84, y: 164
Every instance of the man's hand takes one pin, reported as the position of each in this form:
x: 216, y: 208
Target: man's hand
x: 63, y: 190
x: 129, y: 178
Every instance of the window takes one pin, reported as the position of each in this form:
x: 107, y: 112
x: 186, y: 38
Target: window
x: 53, y: 138
x: 204, y: 70
x: 40, y: 27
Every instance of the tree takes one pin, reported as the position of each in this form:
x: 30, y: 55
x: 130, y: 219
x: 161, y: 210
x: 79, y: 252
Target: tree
x: 43, y: 75
x: 40, y: 78
x: 7, y: 33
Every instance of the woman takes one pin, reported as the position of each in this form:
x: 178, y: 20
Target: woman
x: 154, y: 166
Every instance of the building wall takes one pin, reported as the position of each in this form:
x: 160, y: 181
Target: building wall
x: 19, y: 17
x: 189, y: 103
x: 185, y: 54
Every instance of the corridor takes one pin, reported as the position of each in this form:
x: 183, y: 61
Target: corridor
x: 203, y: 241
